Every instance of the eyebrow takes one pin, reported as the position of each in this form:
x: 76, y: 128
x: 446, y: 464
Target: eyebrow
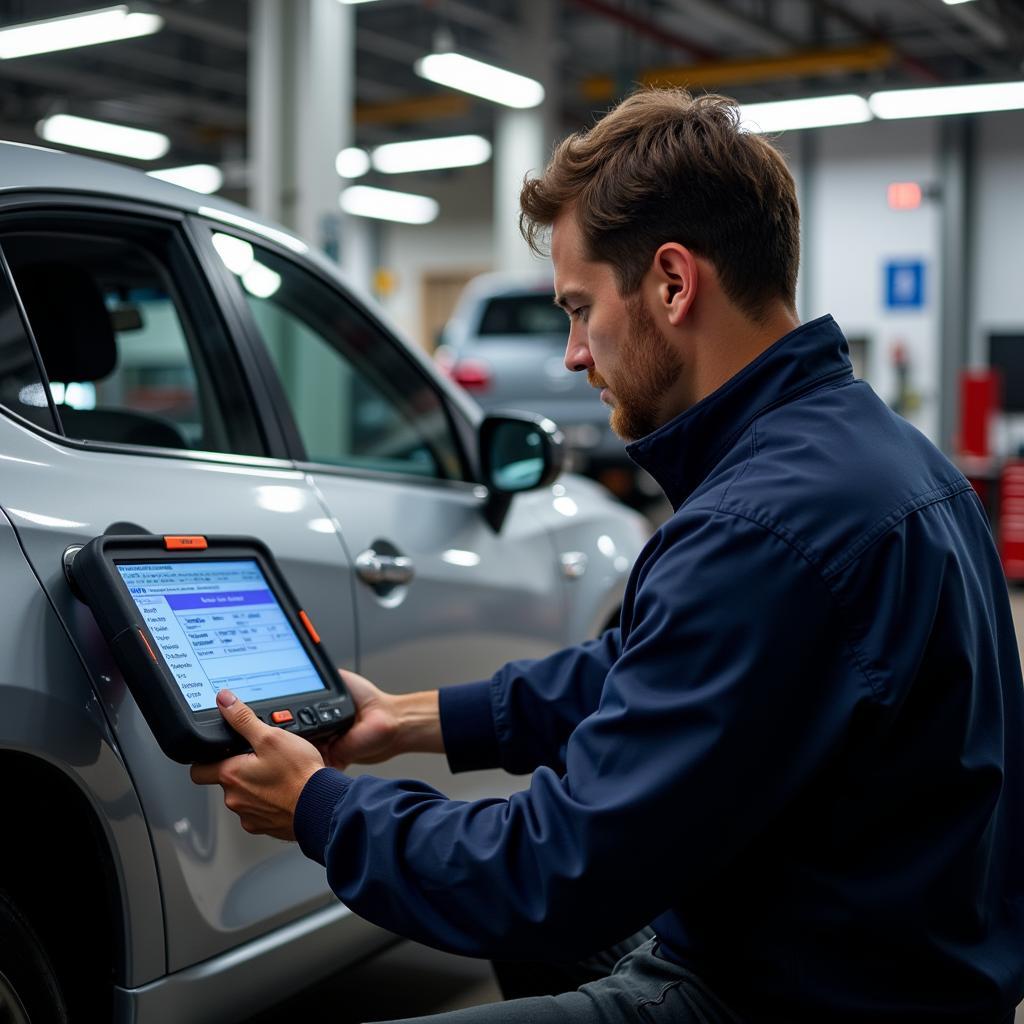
x: 563, y: 301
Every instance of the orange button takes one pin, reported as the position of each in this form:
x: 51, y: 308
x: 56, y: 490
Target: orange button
x: 146, y: 642
x: 193, y: 542
x: 280, y: 717
x: 310, y: 629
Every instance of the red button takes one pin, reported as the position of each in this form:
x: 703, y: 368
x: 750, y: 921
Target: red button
x: 310, y: 628
x: 184, y: 543
x: 280, y: 717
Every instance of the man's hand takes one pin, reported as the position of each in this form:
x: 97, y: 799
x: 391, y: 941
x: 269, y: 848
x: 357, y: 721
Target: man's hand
x: 263, y: 787
x: 386, y: 724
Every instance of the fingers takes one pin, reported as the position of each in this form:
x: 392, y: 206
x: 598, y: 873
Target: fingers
x: 361, y: 689
x: 240, y: 717
x: 217, y: 773
x: 329, y: 747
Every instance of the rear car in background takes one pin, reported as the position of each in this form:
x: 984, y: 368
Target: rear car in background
x: 169, y: 363
x: 505, y: 344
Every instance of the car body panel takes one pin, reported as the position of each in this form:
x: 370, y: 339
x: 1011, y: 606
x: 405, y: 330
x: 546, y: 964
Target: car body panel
x: 51, y: 712
x: 220, y: 886
x: 254, y: 976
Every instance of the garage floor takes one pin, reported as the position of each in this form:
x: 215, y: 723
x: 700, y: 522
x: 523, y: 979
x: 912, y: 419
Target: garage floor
x: 430, y: 981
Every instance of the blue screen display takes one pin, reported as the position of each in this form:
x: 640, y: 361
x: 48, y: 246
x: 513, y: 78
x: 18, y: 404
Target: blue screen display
x: 219, y: 626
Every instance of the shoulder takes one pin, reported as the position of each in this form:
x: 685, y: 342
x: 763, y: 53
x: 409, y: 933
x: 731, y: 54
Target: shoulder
x: 830, y: 471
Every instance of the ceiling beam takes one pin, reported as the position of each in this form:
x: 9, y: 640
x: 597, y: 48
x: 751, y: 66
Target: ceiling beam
x: 381, y: 45
x: 798, y: 64
x: 961, y: 45
x: 980, y: 23
x: 724, y: 19
x: 63, y: 83
x: 413, y: 109
x: 648, y: 28
x: 203, y: 28
x: 918, y: 69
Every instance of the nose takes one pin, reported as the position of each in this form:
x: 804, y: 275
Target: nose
x: 577, y: 351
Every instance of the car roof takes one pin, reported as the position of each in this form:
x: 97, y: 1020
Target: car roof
x: 31, y: 168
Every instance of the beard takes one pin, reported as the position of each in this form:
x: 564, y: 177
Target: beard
x: 649, y: 367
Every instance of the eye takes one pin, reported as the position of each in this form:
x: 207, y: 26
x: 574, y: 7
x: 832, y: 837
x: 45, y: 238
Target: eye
x: 580, y: 313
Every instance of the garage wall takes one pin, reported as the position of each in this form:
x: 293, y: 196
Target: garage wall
x: 997, y: 277
x: 997, y: 280
x: 852, y: 233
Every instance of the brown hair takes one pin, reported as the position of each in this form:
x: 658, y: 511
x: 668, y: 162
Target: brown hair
x: 664, y: 166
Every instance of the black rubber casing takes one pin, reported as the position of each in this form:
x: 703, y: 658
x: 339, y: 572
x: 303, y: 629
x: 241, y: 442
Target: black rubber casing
x: 185, y: 735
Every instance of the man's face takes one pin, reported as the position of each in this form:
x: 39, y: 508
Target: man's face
x: 615, y: 339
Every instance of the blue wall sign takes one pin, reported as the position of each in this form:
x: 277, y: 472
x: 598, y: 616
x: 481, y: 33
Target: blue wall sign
x: 904, y: 284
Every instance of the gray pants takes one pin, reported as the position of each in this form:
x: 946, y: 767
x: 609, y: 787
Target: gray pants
x: 642, y: 988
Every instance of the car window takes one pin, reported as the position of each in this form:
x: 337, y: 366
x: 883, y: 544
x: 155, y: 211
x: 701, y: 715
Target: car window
x: 533, y: 313
x: 357, y: 400
x: 120, y: 343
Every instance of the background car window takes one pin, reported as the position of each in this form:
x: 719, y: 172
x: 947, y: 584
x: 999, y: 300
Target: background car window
x: 122, y: 359
x: 534, y: 313
x: 21, y: 385
x: 356, y: 399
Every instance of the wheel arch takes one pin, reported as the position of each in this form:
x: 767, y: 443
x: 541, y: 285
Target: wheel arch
x: 63, y: 870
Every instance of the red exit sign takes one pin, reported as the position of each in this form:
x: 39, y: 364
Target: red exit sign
x: 904, y: 195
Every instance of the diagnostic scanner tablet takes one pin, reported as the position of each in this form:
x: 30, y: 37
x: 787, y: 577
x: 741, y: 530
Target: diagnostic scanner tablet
x: 186, y: 616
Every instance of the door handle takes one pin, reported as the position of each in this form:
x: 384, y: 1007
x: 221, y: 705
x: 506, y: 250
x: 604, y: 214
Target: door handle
x: 384, y: 570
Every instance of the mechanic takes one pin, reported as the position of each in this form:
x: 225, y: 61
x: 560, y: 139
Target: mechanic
x: 800, y: 757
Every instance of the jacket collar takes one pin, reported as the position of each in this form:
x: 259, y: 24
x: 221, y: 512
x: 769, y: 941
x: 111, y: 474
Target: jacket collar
x: 681, y: 453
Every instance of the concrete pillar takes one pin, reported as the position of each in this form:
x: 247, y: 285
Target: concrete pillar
x: 523, y: 138
x: 957, y: 246
x: 301, y: 114
x: 806, y: 176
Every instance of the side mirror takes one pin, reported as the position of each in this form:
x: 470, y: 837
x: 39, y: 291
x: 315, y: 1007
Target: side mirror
x: 518, y: 452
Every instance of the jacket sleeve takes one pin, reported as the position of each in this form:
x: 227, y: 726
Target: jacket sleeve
x: 732, y: 688
x: 523, y: 716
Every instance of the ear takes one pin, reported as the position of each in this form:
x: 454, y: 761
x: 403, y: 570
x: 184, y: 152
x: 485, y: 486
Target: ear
x: 674, y: 269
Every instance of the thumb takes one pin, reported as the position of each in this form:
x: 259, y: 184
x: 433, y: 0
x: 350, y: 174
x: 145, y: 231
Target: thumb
x: 239, y: 716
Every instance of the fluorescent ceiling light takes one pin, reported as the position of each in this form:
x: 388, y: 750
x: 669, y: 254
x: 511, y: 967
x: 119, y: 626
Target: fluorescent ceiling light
x: 480, y: 79
x: 432, y: 154
x: 84, y: 133
x: 383, y: 204
x: 275, y: 235
x: 948, y: 99
x: 352, y: 162
x: 950, y: 2
x: 203, y: 178
x: 815, y: 112
x: 88, y: 29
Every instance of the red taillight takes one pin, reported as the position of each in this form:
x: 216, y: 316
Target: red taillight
x: 472, y: 374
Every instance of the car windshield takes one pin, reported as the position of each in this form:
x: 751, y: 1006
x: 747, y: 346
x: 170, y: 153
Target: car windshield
x: 533, y: 313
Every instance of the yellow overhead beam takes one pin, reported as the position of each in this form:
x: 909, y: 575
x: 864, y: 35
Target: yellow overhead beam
x: 416, y: 108
x: 744, y: 71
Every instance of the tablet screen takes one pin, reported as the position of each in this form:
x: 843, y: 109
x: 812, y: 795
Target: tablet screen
x: 218, y: 625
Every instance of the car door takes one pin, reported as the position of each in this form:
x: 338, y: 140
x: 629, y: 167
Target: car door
x: 146, y: 423
x: 441, y: 596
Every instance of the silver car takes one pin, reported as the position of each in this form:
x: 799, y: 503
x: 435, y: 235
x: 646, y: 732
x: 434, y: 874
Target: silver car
x: 505, y: 344
x: 171, y: 364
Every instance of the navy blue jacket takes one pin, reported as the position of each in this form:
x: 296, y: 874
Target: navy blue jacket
x: 800, y: 755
